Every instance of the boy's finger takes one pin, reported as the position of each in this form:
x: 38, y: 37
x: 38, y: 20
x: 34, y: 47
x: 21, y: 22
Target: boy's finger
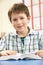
x: 3, y: 54
x: 11, y: 52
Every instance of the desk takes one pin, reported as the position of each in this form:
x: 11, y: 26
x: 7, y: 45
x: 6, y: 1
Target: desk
x: 22, y: 62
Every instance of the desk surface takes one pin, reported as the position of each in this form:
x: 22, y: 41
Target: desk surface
x: 22, y: 62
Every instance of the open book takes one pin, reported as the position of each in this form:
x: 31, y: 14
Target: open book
x: 20, y: 56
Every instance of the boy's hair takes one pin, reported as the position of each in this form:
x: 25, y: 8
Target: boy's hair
x: 18, y: 8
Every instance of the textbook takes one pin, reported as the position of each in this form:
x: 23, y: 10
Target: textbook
x: 20, y: 56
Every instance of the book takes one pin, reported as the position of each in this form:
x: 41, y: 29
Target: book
x: 20, y: 56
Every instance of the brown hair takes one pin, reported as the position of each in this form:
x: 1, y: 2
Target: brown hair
x: 18, y: 8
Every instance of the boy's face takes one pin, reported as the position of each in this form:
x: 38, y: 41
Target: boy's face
x: 19, y: 21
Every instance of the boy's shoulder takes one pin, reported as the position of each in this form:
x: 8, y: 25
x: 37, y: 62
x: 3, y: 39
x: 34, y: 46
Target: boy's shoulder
x: 36, y: 33
x: 7, y: 35
x: 33, y: 31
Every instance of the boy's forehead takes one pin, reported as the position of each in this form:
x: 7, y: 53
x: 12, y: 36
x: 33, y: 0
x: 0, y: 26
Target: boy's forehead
x: 20, y: 13
x: 17, y: 15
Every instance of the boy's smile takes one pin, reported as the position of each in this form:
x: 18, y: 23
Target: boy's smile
x: 19, y: 21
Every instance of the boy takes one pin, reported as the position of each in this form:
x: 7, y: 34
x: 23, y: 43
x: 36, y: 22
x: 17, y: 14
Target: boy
x: 25, y: 40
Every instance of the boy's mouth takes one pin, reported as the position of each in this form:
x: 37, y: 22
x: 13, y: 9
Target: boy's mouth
x: 19, y: 26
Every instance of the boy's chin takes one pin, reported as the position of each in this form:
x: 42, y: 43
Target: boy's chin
x: 20, y: 30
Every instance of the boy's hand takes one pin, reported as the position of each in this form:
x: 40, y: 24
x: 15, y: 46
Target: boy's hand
x: 7, y: 52
x: 39, y: 53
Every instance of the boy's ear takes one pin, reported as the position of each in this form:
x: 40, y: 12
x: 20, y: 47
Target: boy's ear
x: 28, y: 17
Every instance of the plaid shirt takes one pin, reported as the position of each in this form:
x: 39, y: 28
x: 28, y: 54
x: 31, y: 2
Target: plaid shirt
x: 32, y: 42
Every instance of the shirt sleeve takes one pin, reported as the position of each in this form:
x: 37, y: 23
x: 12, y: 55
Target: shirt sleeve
x: 3, y: 43
x: 41, y: 41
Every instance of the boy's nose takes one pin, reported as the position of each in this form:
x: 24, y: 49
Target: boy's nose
x: 19, y: 21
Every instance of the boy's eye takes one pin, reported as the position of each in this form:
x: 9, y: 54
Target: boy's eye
x: 14, y: 19
x: 21, y: 18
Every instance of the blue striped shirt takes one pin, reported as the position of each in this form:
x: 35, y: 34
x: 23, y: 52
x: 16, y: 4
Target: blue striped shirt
x: 31, y: 43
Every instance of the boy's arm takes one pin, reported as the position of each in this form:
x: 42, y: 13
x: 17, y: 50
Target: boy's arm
x: 39, y: 53
x: 2, y: 43
x: 7, y: 52
x: 3, y: 51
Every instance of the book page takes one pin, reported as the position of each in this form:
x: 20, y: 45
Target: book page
x: 20, y: 56
x: 30, y: 56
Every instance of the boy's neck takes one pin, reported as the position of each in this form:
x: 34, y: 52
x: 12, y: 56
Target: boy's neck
x: 23, y: 34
